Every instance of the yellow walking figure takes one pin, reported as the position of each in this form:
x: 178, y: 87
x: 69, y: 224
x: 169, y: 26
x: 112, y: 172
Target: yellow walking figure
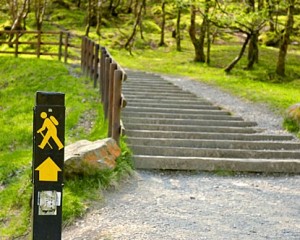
x: 49, y: 124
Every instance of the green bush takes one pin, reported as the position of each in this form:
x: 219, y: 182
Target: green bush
x: 150, y: 27
x: 270, y: 39
x: 292, y: 119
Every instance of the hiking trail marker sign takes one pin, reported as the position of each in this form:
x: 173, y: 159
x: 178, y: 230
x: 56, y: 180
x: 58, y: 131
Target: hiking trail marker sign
x: 47, y: 165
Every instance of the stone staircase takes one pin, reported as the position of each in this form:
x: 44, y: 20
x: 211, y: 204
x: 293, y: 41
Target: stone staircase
x: 168, y: 128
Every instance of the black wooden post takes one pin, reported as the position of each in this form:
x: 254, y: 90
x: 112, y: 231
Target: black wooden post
x: 47, y: 166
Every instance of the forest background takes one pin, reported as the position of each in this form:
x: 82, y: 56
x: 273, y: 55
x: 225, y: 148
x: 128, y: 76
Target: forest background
x: 249, y: 48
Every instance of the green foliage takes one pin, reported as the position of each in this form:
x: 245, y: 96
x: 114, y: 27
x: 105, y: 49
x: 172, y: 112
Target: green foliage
x: 270, y: 39
x: 292, y: 119
x: 151, y: 27
x: 291, y: 125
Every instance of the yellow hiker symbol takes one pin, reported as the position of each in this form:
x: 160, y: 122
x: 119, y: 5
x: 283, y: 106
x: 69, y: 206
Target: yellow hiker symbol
x: 49, y: 124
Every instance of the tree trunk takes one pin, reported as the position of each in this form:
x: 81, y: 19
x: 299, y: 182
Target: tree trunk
x: 253, y: 51
x: 129, y: 6
x: 238, y: 58
x: 40, y: 9
x: 178, y: 33
x: 162, y: 34
x: 141, y: 20
x: 198, y: 43
x: 89, y: 16
x: 128, y: 45
x: 208, y: 43
x: 18, y: 17
x: 270, y: 7
x: 207, y: 30
x: 99, y: 18
x: 280, y: 69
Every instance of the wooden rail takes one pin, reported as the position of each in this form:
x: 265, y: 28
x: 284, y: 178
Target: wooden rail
x: 36, y: 43
x: 98, y: 64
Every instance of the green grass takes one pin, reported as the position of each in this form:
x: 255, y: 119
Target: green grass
x: 19, y: 80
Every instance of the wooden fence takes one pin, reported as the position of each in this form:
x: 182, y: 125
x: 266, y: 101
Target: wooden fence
x: 19, y: 44
x: 98, y: 64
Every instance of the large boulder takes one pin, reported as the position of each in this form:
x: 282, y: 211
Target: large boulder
x: 85, y: 157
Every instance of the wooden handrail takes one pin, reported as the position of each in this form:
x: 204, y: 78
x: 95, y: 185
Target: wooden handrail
x: 98, y: 64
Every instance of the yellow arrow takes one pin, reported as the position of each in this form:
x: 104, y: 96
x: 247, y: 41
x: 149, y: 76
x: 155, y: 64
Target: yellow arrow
x: 48, y: 171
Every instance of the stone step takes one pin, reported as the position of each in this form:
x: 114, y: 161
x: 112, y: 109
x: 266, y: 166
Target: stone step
x: 191, y: 129
x: 129, y: 109
x: 160, y: 91
x: 145, y: 84
x: 155, y: 84
x: 213, y: 153
x: 215, y: 143
x: 168, y: 96
x: 143, y: 75
x: 165, y: 100
x: 179, y: 116
x: 153, y: 88
x: 189, y: 122
x: 146, y: 78
x: 207, y: 135
x: 174, y: 105
x: 217, y: 164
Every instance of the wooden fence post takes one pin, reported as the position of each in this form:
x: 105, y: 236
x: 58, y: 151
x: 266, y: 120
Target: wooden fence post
x: 82, y: 54
x: 89, y: 56
x: 96, y: 63
x: 113, y: 67
x: 92, y: 59
x: 105, y: 86
x: 17, y: 45
x: 60, y: 46
x: 66, y: 47
x: 38, y: 48
x: 116, y: 112
x: 102, y: 72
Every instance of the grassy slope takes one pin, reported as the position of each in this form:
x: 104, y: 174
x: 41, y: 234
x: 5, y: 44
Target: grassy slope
x: 19, y: 80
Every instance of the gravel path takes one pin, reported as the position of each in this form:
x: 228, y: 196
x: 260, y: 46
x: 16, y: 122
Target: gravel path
x: 196, y: 205
x: 182, y: 205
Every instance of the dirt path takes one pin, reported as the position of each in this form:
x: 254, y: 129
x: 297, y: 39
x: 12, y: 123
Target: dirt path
x: 183, y: 205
